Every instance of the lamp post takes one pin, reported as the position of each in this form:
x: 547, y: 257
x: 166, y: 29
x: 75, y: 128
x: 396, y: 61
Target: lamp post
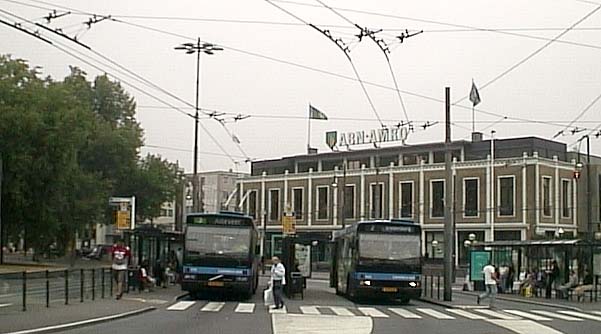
x: 197, y: 48
x: 469, y: 243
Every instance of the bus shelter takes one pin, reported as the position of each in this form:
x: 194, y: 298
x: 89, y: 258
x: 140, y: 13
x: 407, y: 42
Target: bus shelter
x: 538, y: 255
x: 155, y: 247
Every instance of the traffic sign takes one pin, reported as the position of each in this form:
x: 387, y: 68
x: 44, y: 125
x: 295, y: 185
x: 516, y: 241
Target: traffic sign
x: 288, y: 224
x: 122, y: 220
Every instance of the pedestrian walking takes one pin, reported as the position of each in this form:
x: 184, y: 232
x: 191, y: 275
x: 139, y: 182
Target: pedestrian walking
x: 278, y: 280
x: 120, y: 256
x: 490, y: 281
x: 552, y: 276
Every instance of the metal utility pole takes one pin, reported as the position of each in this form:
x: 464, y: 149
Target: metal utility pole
x: 449, y: 242
x: 197, y: 48
x: 589, y: 211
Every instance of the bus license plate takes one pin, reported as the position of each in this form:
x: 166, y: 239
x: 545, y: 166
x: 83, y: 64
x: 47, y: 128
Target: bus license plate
x: 390, y: 289
x: 215, y: 283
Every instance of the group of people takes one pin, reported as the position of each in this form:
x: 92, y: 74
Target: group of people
x: 501, y: 280
x: 165, y: 271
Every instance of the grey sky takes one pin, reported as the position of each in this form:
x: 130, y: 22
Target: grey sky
x: 555, y: 85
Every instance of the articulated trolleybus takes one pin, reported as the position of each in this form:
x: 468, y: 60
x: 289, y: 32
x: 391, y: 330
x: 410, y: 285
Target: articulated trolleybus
x: 220, y: 254
x: 379, y: 258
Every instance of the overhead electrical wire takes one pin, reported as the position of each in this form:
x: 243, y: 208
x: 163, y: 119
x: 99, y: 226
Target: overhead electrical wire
x: 73, y: 53
x: 314, y: 69
x: 344, y: 50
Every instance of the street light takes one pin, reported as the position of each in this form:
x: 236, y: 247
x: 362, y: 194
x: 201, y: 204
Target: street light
x: 197, y: 48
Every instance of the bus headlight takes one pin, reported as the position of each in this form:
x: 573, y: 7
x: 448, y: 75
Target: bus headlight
x: 187, y: 276
x: 413, y: 284
x: 241, y: 278
x: 368, y: 283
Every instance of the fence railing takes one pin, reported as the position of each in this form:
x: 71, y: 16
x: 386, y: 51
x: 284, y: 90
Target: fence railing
x: 433, y: 286
x: 44, y: 288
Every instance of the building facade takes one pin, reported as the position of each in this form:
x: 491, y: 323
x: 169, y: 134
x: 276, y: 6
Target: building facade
x: 525, y: 190
x: 217, y: 191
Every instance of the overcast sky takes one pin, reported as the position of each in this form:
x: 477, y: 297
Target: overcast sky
x: 273, y: 66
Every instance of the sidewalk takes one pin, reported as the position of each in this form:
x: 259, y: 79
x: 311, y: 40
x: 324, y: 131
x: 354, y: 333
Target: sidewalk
x: 37, y: 316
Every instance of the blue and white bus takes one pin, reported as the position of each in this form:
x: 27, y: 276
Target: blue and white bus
x: 220, y: 254
x: 379, y: 258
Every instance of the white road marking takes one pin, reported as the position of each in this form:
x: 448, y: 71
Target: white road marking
x: 309, y: 310
x: 434, y: 313
x: 596, y: 312
x: 245, y: 308
x: 372, y: 312
x: 180, y: 306
x: 5, y: 305
x: 342, y: 311
x: 524, y: 326
x: 581, y: 315
x: 555, y: 315
x: 404, y: 313
x: 497, y: 315
x: 278, y: 310
x: 527, y: 315
x: 465, y: 314
x: 212, y: 307
x: 323, y: 324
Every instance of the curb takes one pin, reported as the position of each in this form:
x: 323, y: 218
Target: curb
x: 531, y: 302
x: 83, y: 323
x: 437, y: 302
x: 180, y: 297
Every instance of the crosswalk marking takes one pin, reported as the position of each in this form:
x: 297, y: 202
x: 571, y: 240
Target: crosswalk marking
x: 180, y: 306
x: 524, y: 326
x: 372, y: 312
x: 278, y: 310
x: 309, y: 310
x: 245, y: 308
x: 465, y: 314
x: 596, y: 312
x: 528, y: 315
x: 497, y: 315
x: 212, y: 307
x: 434, y: 313
x: 404, y: 313
x: 5, y: 305
x: 555, y: 315
x: 582, y: 315
x: 343, y: 311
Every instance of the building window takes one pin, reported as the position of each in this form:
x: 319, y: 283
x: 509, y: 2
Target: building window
x: 471, y: 197
x: 437, y: 199
x: 274, y: 204
x: 435, y: 245
x: 406, y: 197
x: 546, y: 196
x: 252, y: 204
x: 297, y: 202
x: 409, y: 159
x: 349, y: 201
x: 506, y: 195
x: 376, y: 201
x: 566, y: 198
x: 322, y: 202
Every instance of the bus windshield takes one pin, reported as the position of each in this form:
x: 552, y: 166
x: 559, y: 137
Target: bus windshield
x: 217, y: 240
x: 394, y: 247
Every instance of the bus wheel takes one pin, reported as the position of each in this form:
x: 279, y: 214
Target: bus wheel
x: 350, y: 293
x: 405, y: 300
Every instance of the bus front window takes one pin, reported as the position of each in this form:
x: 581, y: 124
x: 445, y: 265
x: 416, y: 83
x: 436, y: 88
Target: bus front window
x: 209, y: 240
x: 392, y: 247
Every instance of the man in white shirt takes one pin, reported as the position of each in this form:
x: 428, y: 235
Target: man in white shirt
x: 278, y: 280
x: 490, y: 281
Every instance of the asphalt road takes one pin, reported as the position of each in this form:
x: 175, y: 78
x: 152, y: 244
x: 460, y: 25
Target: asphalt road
x: 321, y: 311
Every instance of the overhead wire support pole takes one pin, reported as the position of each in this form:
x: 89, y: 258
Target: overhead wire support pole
x: 449, y: 233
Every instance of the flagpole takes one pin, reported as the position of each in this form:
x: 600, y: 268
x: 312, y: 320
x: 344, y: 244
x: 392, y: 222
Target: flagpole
x: 309, y: 131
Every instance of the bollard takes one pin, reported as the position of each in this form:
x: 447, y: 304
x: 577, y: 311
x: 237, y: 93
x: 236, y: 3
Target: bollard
x: 93, y: 284
x: 66, y: 286
x: 438, y: 288
x: 425, y: 285
x: 431, y: 286
x: 111, y: 285
x: 81, y: 288
x: 102, y: 282
x: 47, y: 289
x: 24, y: 291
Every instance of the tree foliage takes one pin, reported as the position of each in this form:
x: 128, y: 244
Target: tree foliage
x: 66, y: 147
